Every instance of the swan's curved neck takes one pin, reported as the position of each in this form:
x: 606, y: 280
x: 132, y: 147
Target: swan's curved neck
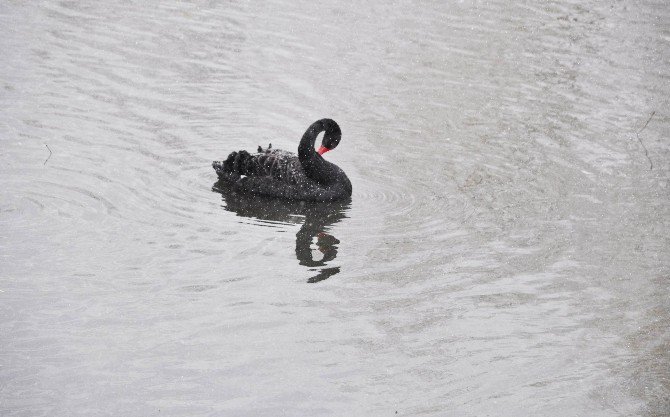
x: 306, y: 147
x: 314, y: 165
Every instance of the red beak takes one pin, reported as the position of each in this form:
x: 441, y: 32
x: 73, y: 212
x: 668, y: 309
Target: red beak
x: 322, y: 150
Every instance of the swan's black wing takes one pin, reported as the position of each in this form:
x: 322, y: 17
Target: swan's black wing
x: 275, y: 173
x: 275, y: 164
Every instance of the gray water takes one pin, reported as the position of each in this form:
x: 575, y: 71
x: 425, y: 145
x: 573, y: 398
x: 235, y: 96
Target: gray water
x: 506, y: 251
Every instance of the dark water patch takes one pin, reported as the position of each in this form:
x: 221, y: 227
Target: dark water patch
x: 316, y: 221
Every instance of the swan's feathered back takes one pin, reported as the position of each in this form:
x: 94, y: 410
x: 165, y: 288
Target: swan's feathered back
x: 275, y: 163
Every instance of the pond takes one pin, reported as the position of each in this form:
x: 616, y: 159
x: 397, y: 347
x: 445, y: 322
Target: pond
x: 505, y: 250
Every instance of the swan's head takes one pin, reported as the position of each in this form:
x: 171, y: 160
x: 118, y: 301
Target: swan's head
x: 331, y: 137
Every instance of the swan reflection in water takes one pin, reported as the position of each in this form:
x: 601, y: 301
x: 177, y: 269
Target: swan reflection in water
x: 318, y: 219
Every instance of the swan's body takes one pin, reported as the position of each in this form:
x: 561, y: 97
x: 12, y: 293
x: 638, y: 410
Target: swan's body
x: 276, y: 173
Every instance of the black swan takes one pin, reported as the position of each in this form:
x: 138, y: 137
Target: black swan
x: 277, y: 173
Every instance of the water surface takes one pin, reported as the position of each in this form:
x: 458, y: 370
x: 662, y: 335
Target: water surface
x: 505, y: 251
